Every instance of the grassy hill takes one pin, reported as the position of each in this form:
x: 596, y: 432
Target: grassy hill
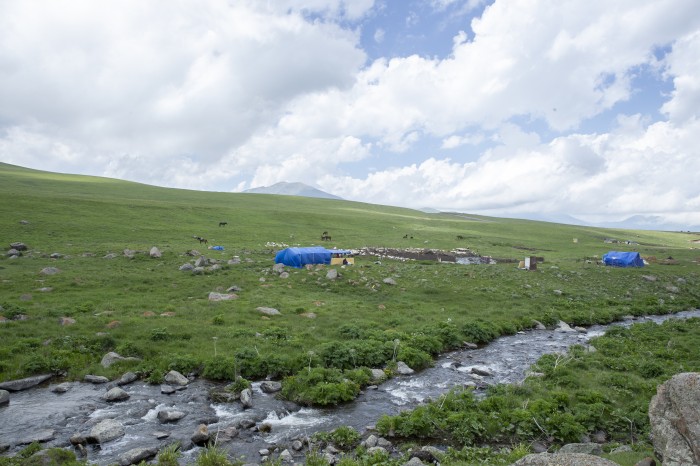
x: 86, y: 218
x: 148, y: 308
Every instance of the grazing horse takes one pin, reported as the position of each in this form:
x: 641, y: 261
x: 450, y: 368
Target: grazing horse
x: 325, y: 236
x: 460, y: 237
x: 201, y: 240
x: 223, y: 224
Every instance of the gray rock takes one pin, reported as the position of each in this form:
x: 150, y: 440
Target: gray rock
x: 106, y: 431
x: 110, y: 358
x: 284, y: 275
x: 18, y: 246
x: 378, y: 376
x: 370, y: 441
x: 587, y: 448
x: 61, y: 387
x: 167, y: 389
x: 129, y: 253
x: 674, y: 415
x: 270, y: 311
x: 389, y: 281
x: 297, y: 445
x: 480, y: 371
x: 4, y: 397
x: 414, y: 461
x: 558, y: 292
x: 649, y: 278
x: 175, y: 378
x: 166, y: 415
x: 278, y: 268
x: 155, y: 253
x: 40, y: 436
x: 268, y: 386
x: 127, y: 378
x: 201, y: 262
x: 201, y: 435
x: 384, y: 443
x: 160, y: 435
x: 136, y: 455
x: 247, y: 398
x: 563, y: 327
x: 286, y: 456
x: 539, y: 325
x: 566, y: 459
x: 373, y: 450
x: 403, y: 369
x: 214, y: 296
x: 116, y: 394
x: 227, y: 434
x: 96, y: 379
x: 332, y: 274
x: 111, y: 255
x: 23, y: 384
x: 13, y: 252
x: 187, y: 267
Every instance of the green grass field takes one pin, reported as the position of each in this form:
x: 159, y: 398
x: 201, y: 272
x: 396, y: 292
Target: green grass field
x: 149, y: 309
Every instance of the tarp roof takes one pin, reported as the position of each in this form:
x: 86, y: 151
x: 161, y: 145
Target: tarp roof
x: 299, y: 257
x: 623, y: 259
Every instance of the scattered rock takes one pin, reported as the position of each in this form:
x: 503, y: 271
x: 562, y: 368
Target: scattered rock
x: 539, y: 325
x: 558, y: 292
x: 107, y: 430
x: 389, y: 281
x: 278, y: 268
x: 470, y: 345
x: 403, y: 369
x: 55, y: 255
x: 201, y: 435
x: 175, y: 378
x: 23, y: 384
x: 649, y: 278
x: 270, y: 311
x: 41, y: 436
x: 18, y: 246
x: 136, y: 455
x: 167, y: 389
x: 167, y: 415
x: 247, y: 398
x: 308, y: 315
x: 563, y: 327
x: 116, y: 394
x: 129, y: 253
x: 374, y: 450
x: 565, y: 459
x: 268, y: 386
x: 378, y: 376
x: 155, y: 253
x: 127, y: 378
x: 332, y: 274
x: 214, y: 296
x: 480, y: 371
x: 111, y: 255
x: 286, y: 456
x: 187, y: 267
x: 13, y: 253
x: 49, y: 271
x: 160, y: 435
x: 96, y: 379
x: 66, y: 321
x: 370, y: 441
x: 414, y: 461
x: 4, y: 397
x: 61, y: 388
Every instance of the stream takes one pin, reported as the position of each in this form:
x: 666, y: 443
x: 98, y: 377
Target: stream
x: 52, y: 418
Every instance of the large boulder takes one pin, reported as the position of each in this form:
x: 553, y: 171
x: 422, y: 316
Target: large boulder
x: 269, y: 386
x: 107, y: 430
x: 674, y: 414
x: 175, y: 378
x: 4, y: 397
x: 23, y: 384
x: 155, y: 253
x: 116, y: 394
x: 563, y: 459
x: 137, y: 455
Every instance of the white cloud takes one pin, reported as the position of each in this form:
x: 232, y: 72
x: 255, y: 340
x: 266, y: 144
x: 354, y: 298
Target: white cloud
x: 243, y: 93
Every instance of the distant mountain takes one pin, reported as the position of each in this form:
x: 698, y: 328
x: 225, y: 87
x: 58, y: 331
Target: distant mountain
x: 649, y: 222
x: 292, y: 189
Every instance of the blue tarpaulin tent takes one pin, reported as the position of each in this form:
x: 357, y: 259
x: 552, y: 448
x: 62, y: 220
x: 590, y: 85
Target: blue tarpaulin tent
x: 623, y: 259
x: 299, y: 257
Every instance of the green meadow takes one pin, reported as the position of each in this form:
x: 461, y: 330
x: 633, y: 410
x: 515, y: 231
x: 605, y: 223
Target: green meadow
x: 328, y: 331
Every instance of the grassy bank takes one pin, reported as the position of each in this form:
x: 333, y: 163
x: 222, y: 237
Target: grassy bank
x: 149, y: 309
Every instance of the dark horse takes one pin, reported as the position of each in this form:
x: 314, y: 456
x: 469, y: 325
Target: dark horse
x: 201, y: 240
x: 223, y: 224
x: 325, y: 236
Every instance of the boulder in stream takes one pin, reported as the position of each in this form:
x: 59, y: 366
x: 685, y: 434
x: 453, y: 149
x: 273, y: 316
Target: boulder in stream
x: 23, y: 384
x: 201, y: 435
x: 175, y: 378
x: 136, y: 455
x: 96, y: 379
x: 116, y: 394
x: 105, y: 431
x: 169, y: 415
x: 4, y: 397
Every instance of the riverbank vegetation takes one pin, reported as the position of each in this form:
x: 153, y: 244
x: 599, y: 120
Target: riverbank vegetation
x: 328, y: 331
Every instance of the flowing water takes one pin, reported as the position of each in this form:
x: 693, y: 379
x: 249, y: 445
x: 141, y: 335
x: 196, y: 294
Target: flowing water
x: 38, y: 413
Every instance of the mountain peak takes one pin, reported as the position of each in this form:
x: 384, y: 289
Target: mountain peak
x: 292, y: 189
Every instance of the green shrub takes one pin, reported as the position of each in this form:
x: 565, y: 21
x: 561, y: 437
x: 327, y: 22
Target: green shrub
x: 479, y: 331
x: 213, y: 456
x: 160, y: 334
x: 319, y: 386
x: 219, y: 368
x: 344, y: 437
x: 170, y: 455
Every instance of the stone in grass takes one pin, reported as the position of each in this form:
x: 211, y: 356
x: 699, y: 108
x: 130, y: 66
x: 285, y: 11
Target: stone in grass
x: 270, y: 311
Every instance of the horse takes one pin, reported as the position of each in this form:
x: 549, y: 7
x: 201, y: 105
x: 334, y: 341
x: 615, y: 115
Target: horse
x: 201, y: 240
x: 223, y: 224
x: 325, y: 236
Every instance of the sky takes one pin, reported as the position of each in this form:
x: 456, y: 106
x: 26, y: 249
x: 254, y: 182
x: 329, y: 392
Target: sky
x: 521, y: 108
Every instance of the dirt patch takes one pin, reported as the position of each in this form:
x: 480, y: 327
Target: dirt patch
x: 462, y: 255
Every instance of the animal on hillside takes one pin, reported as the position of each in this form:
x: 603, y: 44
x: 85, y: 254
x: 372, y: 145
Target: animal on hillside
x: 407, y: 236
x: 325, y: 236
x: 223, y: 224
x: 460, y: 237
x: 201, y: 240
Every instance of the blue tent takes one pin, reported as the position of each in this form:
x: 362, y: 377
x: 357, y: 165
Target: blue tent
x: 623, y: 259
x: 299, y: 257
